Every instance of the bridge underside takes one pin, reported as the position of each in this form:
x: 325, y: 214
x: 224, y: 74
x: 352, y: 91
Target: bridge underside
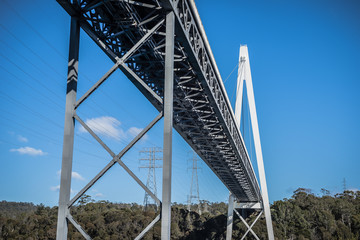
x: 202, y: 112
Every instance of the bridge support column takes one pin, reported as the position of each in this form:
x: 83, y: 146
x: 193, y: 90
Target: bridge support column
x: 168, y: 125
x: 68, y: 145
x: 64, y: 216
x: 230, y: 217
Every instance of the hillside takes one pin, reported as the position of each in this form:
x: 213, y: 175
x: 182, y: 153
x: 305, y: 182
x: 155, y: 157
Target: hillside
x: 304, y: 216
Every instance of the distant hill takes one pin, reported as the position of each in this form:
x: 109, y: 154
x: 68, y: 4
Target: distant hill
x: 304, y: 216
x: 13, y: 209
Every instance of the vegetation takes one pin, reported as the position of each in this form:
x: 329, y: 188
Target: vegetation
x: 304, y: 216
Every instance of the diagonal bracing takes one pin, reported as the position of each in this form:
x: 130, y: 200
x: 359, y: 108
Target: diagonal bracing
x: 71, y: 107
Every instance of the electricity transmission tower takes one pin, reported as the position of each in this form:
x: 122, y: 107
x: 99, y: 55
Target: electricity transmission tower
x: 151, y: 165
x: 194, y: 187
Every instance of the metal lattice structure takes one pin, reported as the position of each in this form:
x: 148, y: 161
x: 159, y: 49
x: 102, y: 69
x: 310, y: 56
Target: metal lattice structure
x: 161, y: 46
x: 151, y: 165
x: 194, y: 186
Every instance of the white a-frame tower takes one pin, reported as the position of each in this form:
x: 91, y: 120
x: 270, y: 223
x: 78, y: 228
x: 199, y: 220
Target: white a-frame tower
x: 244, y: 77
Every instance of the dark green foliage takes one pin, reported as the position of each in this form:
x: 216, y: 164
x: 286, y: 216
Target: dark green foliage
x: 304, y: 216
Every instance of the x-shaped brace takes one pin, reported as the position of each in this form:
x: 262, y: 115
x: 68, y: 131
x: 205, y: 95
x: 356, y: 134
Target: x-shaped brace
x: 117, y: 158
x: 247, y: 225
x: 119, y: 61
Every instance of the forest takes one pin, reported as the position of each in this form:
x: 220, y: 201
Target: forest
x: 303, y: 216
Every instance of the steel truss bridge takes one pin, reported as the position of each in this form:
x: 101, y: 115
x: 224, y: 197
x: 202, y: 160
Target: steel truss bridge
x: 161, y: 46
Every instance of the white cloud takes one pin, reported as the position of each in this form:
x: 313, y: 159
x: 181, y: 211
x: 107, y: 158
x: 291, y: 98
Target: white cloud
x: 22, y: 138
x: 110, y: 127
x: 99, y: 195
x: 74, y: 175
x: 55, y: 188
x: 105, y: 126
x: 134, y: 131
x: 29, y: 151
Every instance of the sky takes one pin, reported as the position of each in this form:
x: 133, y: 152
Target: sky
x: 304, y: 58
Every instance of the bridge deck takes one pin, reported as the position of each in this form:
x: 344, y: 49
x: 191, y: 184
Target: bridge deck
x: 202, y: 113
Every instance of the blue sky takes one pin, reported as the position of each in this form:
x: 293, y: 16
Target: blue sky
x: 306, y: 76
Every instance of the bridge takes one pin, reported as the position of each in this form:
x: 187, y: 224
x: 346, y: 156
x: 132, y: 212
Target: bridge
x: 161, y: 46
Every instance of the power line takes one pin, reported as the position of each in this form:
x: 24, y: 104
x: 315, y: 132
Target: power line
x: 26, y: 73
x: 53, y: 47
x: 33, y: 29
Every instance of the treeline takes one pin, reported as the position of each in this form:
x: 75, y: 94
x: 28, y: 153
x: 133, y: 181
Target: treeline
x: 304, y: 216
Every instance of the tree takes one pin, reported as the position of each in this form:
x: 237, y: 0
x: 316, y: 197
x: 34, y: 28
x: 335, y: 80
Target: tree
x: 84, y: 199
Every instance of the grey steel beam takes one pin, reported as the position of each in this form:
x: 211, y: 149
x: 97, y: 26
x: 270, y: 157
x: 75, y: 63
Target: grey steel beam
x: 78, y: 227
x: 256, y: 206
x: 68, y: 145
x: 168, y: 125
x: 148, y: 227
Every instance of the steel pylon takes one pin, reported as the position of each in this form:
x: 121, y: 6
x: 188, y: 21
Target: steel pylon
x: 244, y: 77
